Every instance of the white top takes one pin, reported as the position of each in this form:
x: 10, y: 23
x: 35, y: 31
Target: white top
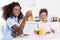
x: 9, y: 24
x: 46, y: 27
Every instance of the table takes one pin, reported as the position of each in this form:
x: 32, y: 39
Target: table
x: 38, y: 37
x: 30, y: 27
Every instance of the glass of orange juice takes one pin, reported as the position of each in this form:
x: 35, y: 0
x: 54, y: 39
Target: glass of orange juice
x: 30, y: 18
x: 40, y: 31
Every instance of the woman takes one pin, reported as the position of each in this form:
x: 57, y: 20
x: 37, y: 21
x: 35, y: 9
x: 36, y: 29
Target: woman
x: 44, y: 24
x: 13, y: 15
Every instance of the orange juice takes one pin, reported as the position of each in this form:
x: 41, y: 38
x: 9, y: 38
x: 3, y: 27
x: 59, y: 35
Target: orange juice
x: 30, y: 18
x: 40, y: 31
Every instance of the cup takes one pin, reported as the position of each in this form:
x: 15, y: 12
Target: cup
x: 40, y: 31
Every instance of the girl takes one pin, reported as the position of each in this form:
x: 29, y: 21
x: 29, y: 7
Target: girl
x: 44, y: 24
x: 12, y: 14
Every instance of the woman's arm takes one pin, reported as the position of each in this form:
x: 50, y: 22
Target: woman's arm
x: 19, y: 30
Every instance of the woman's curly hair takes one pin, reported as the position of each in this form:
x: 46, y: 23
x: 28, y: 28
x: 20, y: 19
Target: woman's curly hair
x: 7, y: 11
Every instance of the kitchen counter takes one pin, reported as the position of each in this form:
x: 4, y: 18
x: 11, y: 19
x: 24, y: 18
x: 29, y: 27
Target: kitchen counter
x: 29, y: 29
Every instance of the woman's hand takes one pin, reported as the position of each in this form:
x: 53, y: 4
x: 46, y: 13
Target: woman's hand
x: 28, y: 14
x: 16, y: 34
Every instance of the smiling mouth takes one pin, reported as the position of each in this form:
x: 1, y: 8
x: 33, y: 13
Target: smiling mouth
x: 16, y: 14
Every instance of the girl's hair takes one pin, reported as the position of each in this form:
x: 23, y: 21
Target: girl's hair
x: 7, y: 11
x: 43, y: 10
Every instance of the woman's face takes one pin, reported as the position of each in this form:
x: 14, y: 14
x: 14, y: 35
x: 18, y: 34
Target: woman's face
x: 43, y: 16
x: 16, y: 10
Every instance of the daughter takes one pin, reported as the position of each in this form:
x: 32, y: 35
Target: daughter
x: 44, y: 24
x: 12, y: 14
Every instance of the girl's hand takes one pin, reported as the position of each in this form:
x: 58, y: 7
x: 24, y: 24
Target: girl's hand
x: 52, y: 30
x: 36, y: 32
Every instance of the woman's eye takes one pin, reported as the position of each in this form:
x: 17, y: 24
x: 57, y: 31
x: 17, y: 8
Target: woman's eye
x: 16, y: 9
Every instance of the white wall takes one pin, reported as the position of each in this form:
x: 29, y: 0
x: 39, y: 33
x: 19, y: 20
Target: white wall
x: 52, y: 6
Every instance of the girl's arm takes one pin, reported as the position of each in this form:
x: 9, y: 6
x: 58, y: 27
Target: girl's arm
x: 52, y: 30
x: 36, y: 32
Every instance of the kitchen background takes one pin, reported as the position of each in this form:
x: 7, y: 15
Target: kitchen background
x: 53, y: 7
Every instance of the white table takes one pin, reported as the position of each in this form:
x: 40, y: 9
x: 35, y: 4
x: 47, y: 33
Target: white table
x: 30, y: 27
x: 38, y: 37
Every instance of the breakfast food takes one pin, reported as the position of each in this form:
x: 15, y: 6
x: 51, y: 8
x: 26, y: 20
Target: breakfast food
x: 24, y: 35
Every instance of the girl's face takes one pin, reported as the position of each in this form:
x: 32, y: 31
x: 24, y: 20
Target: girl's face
x: 43, y: 16
x: 16, y: 10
